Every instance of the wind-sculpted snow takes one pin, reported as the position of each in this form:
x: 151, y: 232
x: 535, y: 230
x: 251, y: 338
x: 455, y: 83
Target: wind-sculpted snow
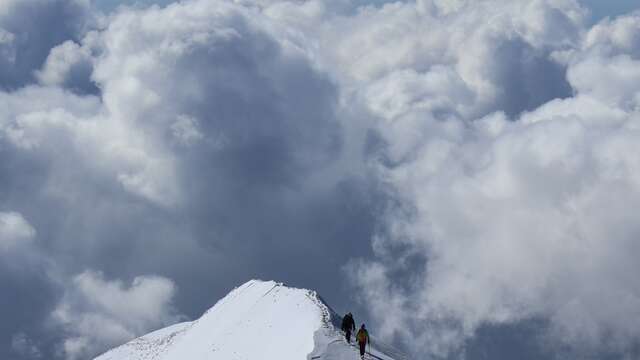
x: 150, y: 346
x: 258, y: 320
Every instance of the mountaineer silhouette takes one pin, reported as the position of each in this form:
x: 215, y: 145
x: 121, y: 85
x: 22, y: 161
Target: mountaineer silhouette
x: 348, y: 325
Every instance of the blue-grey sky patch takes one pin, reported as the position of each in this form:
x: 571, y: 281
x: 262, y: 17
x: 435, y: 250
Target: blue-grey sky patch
x: 612, y: 8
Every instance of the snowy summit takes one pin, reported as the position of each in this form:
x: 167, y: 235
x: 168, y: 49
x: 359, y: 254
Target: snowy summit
x: 258, y: 320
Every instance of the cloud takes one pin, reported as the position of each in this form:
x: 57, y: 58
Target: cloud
x: 96, y: 313
x: 213, y: 137
x: 93, y: 313
x: 70, y: 66
x: 503, y: 218
x: 24, y: 346
x: 236, y: 100
x: 24, y: 45
x: 14, y: 231
x: 20, y: 252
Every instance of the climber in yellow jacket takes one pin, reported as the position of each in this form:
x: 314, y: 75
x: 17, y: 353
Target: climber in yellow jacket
x: 363, y: 338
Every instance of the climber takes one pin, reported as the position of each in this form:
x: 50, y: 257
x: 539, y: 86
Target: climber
x: 348, y: 325
x: 362, y: 337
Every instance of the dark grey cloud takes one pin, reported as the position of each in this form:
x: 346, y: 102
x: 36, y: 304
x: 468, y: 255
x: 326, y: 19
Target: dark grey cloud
x: 27, y: 287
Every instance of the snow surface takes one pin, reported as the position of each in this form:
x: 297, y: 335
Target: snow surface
x: 258, y: 320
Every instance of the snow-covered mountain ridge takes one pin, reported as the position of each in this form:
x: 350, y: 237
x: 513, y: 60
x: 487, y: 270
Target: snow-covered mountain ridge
x: 258, y: 320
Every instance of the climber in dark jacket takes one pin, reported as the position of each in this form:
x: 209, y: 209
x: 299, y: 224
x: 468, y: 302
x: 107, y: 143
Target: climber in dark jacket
x: 348, y: 325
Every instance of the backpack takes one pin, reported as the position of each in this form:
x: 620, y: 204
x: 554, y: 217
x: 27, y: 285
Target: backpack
x: 346, y: 324
x: 362, y: 336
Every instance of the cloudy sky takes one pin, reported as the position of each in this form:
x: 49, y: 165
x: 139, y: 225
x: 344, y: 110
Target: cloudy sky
x: 463, y: 174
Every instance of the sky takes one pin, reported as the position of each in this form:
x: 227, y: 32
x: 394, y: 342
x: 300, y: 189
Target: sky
x: 461, y: 175
x: 613, y: 8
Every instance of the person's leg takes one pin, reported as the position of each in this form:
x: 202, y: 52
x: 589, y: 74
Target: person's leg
x: 348, y: 335
x: 362, y: 348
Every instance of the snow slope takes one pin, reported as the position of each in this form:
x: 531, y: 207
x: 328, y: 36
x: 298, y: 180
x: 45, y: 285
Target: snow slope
x: 258, y: 320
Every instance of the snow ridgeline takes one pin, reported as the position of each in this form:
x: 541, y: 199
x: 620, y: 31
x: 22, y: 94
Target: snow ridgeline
x: 259, y: 320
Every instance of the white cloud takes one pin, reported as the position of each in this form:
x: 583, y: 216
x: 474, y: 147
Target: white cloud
x: 516, y: 220
x: 15, y: 231
x: 68, y: 65
x: 97, y: 313
x: 612, y: 80
x: 158, y: 71
x: 46, y: 120
x: 617, y: 36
